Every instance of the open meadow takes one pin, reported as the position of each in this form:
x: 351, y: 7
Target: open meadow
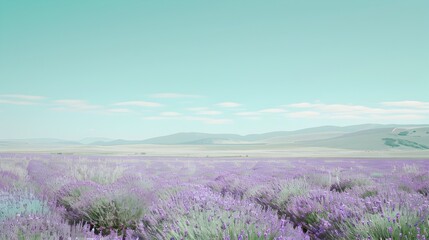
x: 58, y: 196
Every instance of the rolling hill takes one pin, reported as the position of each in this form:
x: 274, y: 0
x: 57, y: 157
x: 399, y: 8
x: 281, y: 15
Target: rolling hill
x: 367, y: 137
x: 377, y: 139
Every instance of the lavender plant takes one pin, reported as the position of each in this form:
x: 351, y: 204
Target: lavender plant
x: 199, y: 213
x: 402, y: 223
x: 42, y: 227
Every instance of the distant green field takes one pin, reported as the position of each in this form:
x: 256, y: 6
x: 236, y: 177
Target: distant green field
x: 402, y: 142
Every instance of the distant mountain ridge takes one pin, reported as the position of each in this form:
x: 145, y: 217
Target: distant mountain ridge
x: 323, y: 132
x: 359, y: 137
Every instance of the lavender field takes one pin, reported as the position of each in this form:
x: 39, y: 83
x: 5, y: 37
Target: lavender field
x: 47, y: 196
x: 214, y: 120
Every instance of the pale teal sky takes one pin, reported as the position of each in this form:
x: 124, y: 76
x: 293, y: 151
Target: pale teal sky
x: 137, y: 69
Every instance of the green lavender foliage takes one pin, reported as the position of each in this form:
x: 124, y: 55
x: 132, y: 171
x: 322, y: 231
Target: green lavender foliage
x: 391, y: 224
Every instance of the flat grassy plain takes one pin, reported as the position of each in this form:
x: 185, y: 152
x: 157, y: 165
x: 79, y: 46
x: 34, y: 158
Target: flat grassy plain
x: 232, y: 150
x: 200, y: 192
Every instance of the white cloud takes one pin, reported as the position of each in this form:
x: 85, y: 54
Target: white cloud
x: 255, y: 114
x: 58, y: 109
x: 408, y: 104
x: 252, y: 118
x: 345, y: 116
x: 248, y: 114
x: 119, y: 110
x: 228, y: 104
x: 197, y: 109
x: 343, y: 108
x: 205, y: 120
x: 398, y: 117
x: 301, y: 105
x: 22, y: 97
x: 170, y: 114
x: 304, y: 114
x: 174, y: 95
x: 204, y: 111
x: 138, y: 104
x: 155, y: 118
x: 19, y: 99
x: 273, y: 110
x: 211, y: 121
x: 209, y: 112
x: 15, y: 102
x: 218, y: 121
x: 406, y: 110
x: 75, y: 104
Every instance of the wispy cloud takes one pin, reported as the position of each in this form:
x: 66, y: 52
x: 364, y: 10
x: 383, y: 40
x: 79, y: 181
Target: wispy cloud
x: 337, y: 108
x: 119, y: 110
x: 211, y: 121
x: 174, y: 95
x: 406, y: 110
x: 254, y: 114
x: 204, y: 111
x: 170, y: 114
x: 301, y: 105
x: 16, y: 102
x: 22, y: 97
x: 273, y: 110
x: 138, y: 104
x: 399, y: 117
x: 228, y: 104
x: 209, y: 112
x: 248, y: 114
x: 155, y: 118
x: 217, y: 121
x: 75, y: 104
x: 205, y: 120
x: 407, y: 104
x: 197, y: 109
x: 303, y: 114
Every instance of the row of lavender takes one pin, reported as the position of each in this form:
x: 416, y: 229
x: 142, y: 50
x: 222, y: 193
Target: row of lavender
x: 79, y: 197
